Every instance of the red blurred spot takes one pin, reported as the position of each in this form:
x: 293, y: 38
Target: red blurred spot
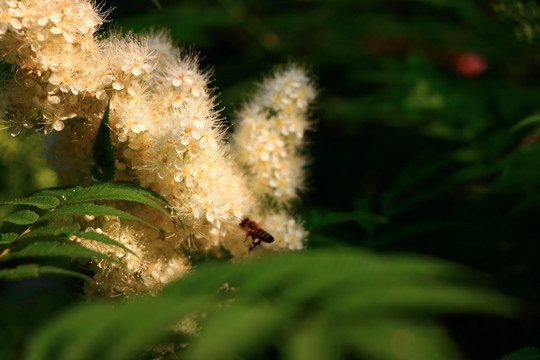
x: 470, y: 64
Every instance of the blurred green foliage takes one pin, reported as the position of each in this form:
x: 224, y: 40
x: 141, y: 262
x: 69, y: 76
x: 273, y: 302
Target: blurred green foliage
x: 376, y: 306
x: 412, y: 152
x: 525, y: 13
x: 23, y: 167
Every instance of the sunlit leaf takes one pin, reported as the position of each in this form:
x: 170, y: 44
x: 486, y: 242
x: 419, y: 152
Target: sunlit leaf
x: 55, y: 249
x: 91, y: 209
x: 22, y: 217
x: 41, y: 202
x: 6, y: 238
x: 113, y: 191
x: 50, y: 231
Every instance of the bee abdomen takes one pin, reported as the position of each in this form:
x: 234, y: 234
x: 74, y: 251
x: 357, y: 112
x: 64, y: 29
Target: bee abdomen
x: 263, y: 235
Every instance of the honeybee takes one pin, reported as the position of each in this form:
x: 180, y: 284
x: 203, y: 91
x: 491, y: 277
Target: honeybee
x: 257, y: 234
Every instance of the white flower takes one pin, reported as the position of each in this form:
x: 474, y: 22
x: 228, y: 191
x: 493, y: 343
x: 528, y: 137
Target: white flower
x: 137, y: 66
x: 7, y: 19
x: 287, y: 233
x: 63, y: 29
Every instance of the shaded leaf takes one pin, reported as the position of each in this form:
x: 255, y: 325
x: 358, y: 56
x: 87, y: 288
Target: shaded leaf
x: 320, y: 219
x: 105, y: 166
x: 528, y: 121
x: 520, y: 169
x: 158, y: 4
x: 527, y: 353
x: 28, y: 271
x: 64, y: 329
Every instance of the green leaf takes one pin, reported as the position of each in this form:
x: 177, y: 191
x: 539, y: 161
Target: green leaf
x: 54, y: 334
x: 41, y: 202
x: 152, y: 326
x: 397, y: 339
x: 247, y: 328
x: 122, y: 332
x: 320, y: 219
x: 7, y: 238
x: 58, y: 233
x: 312, y: 343
x: 520, y: 169
x: 105, y: 166
x: 108, y: 191
x: 113, y: 191
x: 55, y: 249
x: 143, y: 191
x: 22, y: 217
x: 374, y: 301
x: 29, y: 271
x: 374, y: 304
x: 102, y: 238
x: 91, y: 209
x: 61, y: 192
x: 158, y: 4
x: 527, y: 353
x: 530, y: 120
x: 51, y: 231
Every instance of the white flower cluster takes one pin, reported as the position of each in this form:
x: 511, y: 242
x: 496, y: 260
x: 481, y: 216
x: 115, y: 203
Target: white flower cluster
x: 165, y: 132
x: 160, y: 263
x: 288, y: 234
x: 269, y: 137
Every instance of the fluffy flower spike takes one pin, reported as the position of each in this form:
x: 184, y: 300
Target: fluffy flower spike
x: 269, y: 136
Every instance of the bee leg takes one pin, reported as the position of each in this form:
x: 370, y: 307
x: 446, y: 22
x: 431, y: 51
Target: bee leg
x: 254, y: 244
